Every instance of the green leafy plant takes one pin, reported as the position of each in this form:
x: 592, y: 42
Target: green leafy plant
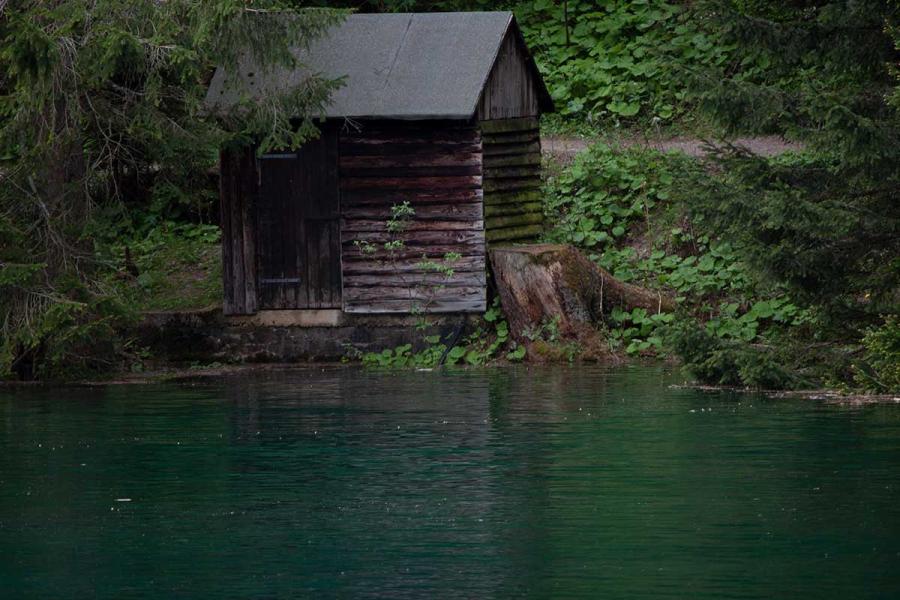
x: 169, y: 267
x: 637, y: 330
x: 880, y: 368
x: 485, y: 344
x: 627, y: 210
x: 712, y: 359
x: 605, y: 193
x: 429, y: 277
x: 618, y: 61
x: 548, y: 331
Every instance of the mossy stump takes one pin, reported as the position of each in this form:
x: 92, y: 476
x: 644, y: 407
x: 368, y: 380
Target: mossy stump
x: 549, y: 283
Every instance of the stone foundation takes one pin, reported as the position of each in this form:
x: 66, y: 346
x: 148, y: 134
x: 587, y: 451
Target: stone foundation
x: 286, y: 336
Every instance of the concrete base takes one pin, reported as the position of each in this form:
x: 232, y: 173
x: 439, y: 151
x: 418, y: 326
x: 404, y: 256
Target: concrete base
x: 291, y: 318
x: 286, y: 336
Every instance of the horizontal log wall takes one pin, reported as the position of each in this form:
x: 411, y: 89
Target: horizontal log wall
x: 512, y: 180
x: 436, y: 167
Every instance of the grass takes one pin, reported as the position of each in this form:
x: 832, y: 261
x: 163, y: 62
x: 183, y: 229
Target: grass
x: 179, y: 267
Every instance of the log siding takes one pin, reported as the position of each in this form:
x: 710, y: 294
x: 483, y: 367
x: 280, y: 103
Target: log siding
x: 436, y: 167
x: 512, y: 179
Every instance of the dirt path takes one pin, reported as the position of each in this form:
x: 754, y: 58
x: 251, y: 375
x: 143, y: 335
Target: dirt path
x: 564, y: 148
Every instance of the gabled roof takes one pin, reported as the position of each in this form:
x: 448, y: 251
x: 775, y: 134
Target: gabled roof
x: 398, y: 65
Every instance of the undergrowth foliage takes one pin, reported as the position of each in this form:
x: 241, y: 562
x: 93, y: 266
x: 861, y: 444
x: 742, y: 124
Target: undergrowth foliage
x: 490, y: 341
x: 617, y: 61
x: 786, y: 269
x: 627, y: 210
x: 880, y: 367
x: 748, y: 314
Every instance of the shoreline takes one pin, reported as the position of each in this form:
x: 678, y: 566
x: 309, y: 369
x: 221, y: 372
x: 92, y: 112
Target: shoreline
x: 821, y: 395
x: 188, y: 375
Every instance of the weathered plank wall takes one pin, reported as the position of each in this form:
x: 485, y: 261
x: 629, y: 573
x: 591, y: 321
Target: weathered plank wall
x: 436, y: 167
x: 237, y: 193
x: 510, y: 90
x: 512, y: 179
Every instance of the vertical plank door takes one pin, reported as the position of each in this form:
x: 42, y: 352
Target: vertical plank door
x: 298, y: 215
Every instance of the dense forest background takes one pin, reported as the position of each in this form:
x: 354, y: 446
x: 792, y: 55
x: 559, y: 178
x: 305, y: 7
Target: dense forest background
x: 786, y: 268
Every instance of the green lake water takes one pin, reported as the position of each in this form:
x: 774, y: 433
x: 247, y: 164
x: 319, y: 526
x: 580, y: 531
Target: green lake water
x: 562, y: 483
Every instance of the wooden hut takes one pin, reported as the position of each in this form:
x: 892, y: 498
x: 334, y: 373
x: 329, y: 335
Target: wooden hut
x: 439, y: 110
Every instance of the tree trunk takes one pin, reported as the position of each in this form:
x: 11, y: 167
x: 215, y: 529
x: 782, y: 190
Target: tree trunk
x: 60, y: 189
x: 548, y: 283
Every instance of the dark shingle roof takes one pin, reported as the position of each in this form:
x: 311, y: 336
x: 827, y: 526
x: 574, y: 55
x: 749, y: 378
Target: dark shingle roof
x: 411, y: 66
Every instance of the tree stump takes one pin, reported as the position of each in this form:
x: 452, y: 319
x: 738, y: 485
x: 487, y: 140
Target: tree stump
x: 549, y: 283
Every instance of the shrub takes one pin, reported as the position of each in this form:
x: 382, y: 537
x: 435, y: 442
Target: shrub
x: 719, y: 361
x: 880, y: 368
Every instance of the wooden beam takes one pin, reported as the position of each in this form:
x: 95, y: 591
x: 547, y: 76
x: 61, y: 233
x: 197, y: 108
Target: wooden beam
x: 411, y: 183
x: 473, y: 303
x: 415, y: 224
x: 502, y: 185
x: 496, y: 210
x: 508, y: 125
x: 532, y: 171
x: 348, y: 173
x: 406, y: 147
x: 451, y: 159
x: 512, y: 160
x: 514, y: 233
x: 512, y: 138
x: 458, y: 279
x: 514, y: 221
x: 403, y: 291
x: 388, y: 197
x: 451, y: 211
x: 498, y: 197
x: 417, y: 238
x: 368, y: 266
x: 504, y: 149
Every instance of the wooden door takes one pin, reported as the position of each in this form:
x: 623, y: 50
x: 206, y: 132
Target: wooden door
x: 298, y: 216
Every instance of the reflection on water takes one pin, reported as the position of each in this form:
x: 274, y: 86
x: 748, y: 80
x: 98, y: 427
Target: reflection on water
x: 540, y: 483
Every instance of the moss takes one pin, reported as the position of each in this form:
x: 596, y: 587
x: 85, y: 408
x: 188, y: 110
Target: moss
x: 513, y: 233
x: 541, y: 254
x: 513, y: 220
x: 523, y: 196
x: 577, y: 273
x: 499, y: 126
x: 542, y: 351
x: 545, y: 352
x: 512, y: 209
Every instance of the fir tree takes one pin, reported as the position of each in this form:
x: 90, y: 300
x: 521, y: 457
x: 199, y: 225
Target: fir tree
x: 824, y: 224
x: 101, y: 105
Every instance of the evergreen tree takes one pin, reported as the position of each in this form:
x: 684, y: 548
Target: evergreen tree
x: 824, y: 223
x: 101, y: 105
